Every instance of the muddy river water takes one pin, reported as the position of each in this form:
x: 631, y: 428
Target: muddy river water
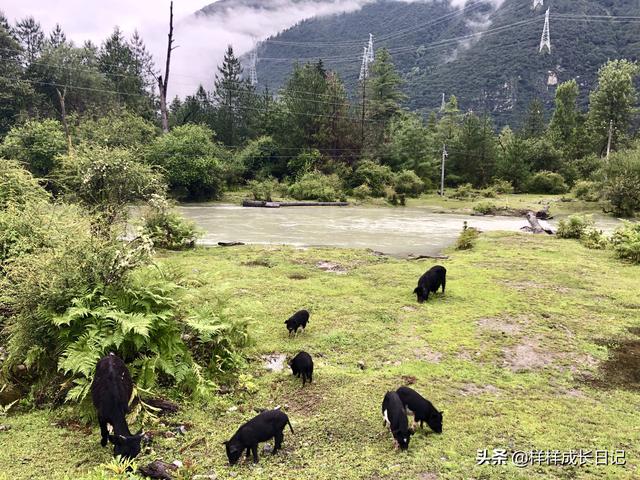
x: 394, y: 231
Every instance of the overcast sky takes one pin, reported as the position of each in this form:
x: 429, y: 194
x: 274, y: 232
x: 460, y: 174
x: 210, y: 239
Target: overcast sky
x: 201, y: 42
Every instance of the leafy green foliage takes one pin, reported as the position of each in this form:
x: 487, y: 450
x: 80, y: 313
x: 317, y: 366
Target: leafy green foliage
x: 621, y: 187
x: 467, y: 239
x: 408, y: 183
x: 263, y: 189
x: 464, y: 191
x: 36, y: 144
x: 626, y: 242
x: 317, y: 186
x: 587, y: 190
x: 484, y: 208
x: 574, y: 227
x: 547, y: 182
x: 18, y: 187
x: 118, y: 128
x: 191, y: 162
x: 166, y: 227
x: 362, y: 192
x: 376, y: 177
x: 107, y: 179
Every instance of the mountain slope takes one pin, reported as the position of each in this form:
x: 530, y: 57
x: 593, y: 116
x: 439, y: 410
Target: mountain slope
x: 486, y: 55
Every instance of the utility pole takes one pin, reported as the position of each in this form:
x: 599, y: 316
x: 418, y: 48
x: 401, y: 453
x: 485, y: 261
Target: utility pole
x: 163, y: 83
x: 444, y: 158
x: 610, y: 137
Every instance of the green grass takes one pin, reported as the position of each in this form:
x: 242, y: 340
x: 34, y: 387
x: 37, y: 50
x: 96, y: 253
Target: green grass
x: 564, y: 306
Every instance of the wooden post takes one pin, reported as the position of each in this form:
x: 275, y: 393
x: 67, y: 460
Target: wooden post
x: 444, y: 157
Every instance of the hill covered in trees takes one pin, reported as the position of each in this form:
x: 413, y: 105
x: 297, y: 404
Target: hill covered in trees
x: 485, y: 55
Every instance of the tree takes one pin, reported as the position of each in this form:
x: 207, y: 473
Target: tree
x: 534, y: 124
x: 117, y: 128
x: 15, y: 92
x: 163, y: 81
x: 229, y: 86
x: 512, y: 164
x: 473, y: 153
x: 36, y: 144
x: 57, y: 37
x: 612, y: 104
x: 449, y: 125
x: 191, y: 162
x: 621, y: 185
x: 335, y: 137
x: 412, y: 146
x: 30, y: 35
x: 563, y: 127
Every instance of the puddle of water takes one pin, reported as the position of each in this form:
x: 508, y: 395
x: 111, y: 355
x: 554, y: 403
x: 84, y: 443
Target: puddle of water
x: 394, y: 231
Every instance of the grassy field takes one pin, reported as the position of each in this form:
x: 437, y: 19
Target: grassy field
x: 535, y: 346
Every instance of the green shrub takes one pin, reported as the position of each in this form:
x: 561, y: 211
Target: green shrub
x: 594, y: 239
x: 502, y: 187
x: 18, y: 187
x: 621, y: 189
x: 36, y: 144
x: 191, y: 162
x: 263, y: 189
x: 316, y: 186
x: 107, y: 178
x: 261, y: 158
x: 307, y: 161
x: 464, y: 191
x: 485, y: 208
x: 575, y: 226
x: 587, y: 191
x: 376, y: 176
x: 467, y: 239
x: 489, y: 192
x: 408, y: 183
x: 118, y: 128
x: 362, y: 192
x: 166, y: 227
x: 547, y: 182
x: 626, y: 242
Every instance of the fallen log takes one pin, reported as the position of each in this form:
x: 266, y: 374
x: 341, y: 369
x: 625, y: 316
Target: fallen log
x: 432, y: 257
x: 263, y: 204
x: 230, y: 244
x: 537, y: 226
x: 164, y: 406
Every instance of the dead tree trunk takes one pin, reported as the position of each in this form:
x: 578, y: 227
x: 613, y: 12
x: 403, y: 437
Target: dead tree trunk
x: 63, y: 116
x: 536, y: 226
x: 163, y: 82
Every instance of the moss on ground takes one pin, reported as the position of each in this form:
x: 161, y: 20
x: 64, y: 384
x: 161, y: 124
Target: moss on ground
x: 515, y: 353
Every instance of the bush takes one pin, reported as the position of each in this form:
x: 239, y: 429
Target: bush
x: 261, y: 158
x: 362, y: 192
x: 107, y: 178
x: 587, y: 191
x: 263, y: 189
x: 574, y: 227
x: 316, y: 186
x: 485, y: 208
x: 119, y: 128
x: 621, y: 189
x: 36, y: 144
x: 502, y: 187
x: 467, y: 239
x: 376, y: 177
x: 489, y: 192
x: 408, y: 183
x: 307, y: 161
x: 166, y: 227
x: 464, y: 191
x: 18, y: 187
x: 594, y: 239
x: 547, y: 182
x: 191, y: 162
x: 626, y: 242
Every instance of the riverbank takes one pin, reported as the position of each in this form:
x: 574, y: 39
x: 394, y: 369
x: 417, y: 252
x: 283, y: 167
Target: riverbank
x: 528, y: 350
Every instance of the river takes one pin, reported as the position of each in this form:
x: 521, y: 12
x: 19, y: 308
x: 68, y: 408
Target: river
x: 394, y: 231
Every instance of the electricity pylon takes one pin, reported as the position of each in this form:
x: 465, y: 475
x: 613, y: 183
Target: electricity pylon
x: 371, y: 56
x: 364, y: 68
x: 253, y: 71
x: 443, y: 105
x: 545, y: 41
x: 538, y: 3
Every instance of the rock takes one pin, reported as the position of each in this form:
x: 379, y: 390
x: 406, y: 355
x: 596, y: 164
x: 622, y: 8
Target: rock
x: 158, y: 469
x: 4, y: 428
x: 274, y: 362
x: 9, y: 394
x: 177, y: 463
x: 267, y: 448
x: 361, y: 364
x: 182, y: 430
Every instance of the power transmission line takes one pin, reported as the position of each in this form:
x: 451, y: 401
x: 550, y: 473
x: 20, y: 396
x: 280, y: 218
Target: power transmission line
x: 545, y: 41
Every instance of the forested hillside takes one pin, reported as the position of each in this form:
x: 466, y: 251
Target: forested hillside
x: 487, y: 57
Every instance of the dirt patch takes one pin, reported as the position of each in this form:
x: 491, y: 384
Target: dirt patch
x: 526, y: 356
x: 74, y: 426
x: 622, y: 368
x: 427, y: 355
x: 471, y: 389
x: 409, y: 308
x: 504, y: 325
x: 274, y: 362
x: 428, y: 476
x: 298, y: 276
x: 523, y: 286
x: 409, y: 379
x: 258, y: 263
x: 332, y: 267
